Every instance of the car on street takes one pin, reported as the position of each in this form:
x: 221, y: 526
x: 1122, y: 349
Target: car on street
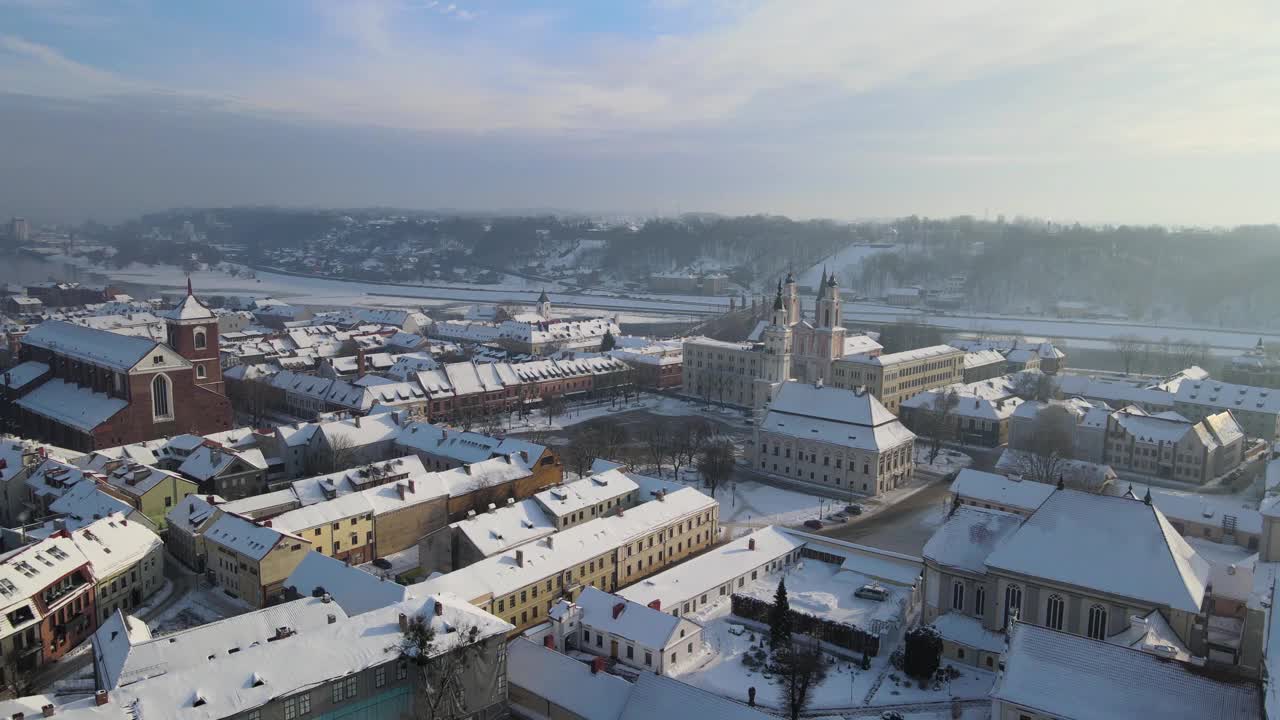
x: 813, y: 524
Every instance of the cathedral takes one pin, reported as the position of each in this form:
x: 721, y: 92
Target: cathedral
x: 811, y: 346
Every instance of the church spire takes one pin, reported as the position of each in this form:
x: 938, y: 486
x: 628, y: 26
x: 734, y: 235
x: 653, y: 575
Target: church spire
x: 189, y: 293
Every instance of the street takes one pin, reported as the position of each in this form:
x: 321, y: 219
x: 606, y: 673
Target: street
x: 902, y: 527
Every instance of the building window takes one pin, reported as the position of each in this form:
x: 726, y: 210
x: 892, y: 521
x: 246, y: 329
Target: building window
x: 200, y: 340
x: 1053, y: 612
x: 957, y: 595
x: 161, y: 398
x: 1012, y: 603
x: 1098, y: 622
x: 402, y: 671
x: 200, y: 373
x: 979, y: 600
x: 297, y: 706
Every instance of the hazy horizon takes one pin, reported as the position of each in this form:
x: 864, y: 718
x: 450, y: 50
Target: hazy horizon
x: 1137, y: 112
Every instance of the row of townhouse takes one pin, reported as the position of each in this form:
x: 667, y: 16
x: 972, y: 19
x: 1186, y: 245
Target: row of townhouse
x: 56, y: 591
x: 447, y: 390
x: 150, y: 491
x: 522, y: 584
x: 250, y: 546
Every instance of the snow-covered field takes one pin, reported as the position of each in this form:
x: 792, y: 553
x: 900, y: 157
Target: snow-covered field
x: 846, y: 264
x: 823, y: 589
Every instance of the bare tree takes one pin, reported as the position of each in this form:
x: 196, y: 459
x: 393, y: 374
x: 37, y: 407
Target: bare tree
x: 800, y: 666
x: 657, y: 442
x: 1129, y: 348
x: 611, y: 436
x: 553, y: 406
x: 338, y: 453
x: 1050, y: 445
x: 1184, y: 350
x: 582, y: 451
x: 716, y: 462
x: 1031, y: 385
x: 936, y: 421
x: 444, y: 670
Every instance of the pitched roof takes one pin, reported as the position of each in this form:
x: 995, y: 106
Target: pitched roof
x: 190, y: 309
x: 71, y: 405
x: 990, y: 487
x: 100, y: 347
x: 1114, y: 545
x: 639, y: 623
x: 829, y: 403
x: 566, y: 682
x: 969, y: 536
x: 1070, y: 676
x: 351, y: 588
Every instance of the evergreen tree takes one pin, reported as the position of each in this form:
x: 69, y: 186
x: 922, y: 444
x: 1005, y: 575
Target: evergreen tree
x: 780, y: 618
x: 608, y: 342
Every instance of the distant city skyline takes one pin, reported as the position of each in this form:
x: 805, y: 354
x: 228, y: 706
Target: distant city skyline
x: 1128, y: 112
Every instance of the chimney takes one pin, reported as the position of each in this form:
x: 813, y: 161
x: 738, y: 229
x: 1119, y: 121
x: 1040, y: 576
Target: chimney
x: 357, y: 421
x: 597, y: 664
x: 520, y: 557
x: 412, y: 485
x: 400, y: 490
x: 439, y: 608
x: 326, y: 598
x: 662, y: 495
x: 656, y: 605
x: 47, y: 710
x: 101, y: 698
x: 751, y: 543
x: 404, y: 622
x: 19, y: 716
x: 618, y: 608
x: 551, y: 542
x: 332, y: 618
x: 491, y: 509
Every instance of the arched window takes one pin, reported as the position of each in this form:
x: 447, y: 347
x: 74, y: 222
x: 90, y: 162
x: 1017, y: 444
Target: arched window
x: 1012, y: 603
x: 200, y: 372
x: 979, y: 600
x: 957, y: 595
x: 1053, y: 612
x: 161, y: 397
x: 1098, y: 622
x: 201, y: 342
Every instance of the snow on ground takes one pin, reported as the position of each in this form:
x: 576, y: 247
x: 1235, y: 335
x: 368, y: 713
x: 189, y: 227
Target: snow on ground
x: 846, y: 264
x: 201, y: 606
x: 723, y: 670
x: 751, y: 503
x: 947, y: 461
x: 971, y: 683
x: 823, y: 589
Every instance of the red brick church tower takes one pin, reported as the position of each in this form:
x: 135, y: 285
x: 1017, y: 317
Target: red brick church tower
x: 193, y: 334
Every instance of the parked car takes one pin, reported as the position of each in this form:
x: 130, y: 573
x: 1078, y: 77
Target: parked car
x: 838, y: 517
x: 382, y: 563
x: 854, y: 509
x: 872, y: 592
x: 813, y: 524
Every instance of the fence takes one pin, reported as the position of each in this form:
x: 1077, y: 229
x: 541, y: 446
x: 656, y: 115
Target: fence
x: 843, y: 635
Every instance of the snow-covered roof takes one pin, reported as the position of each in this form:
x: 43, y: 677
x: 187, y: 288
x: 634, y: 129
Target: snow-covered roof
x: 351, y: 588
x: 113, y: 544
x: 714, y: 567
x: 361, y: 431
x: 463, y: 446
x: 568, y: 683
x: 1114, y: 545
x: 1115, y: 392
x: 657, y: 696
x: 1228, y: 396
x: 137, y: 480
x: 982, y: 358
x: 506, y: 527
x: 1198, y: 508
x: 192, y: 512
x: 71, y: 405
x: 500, y: 574
x: 207, y: 462
x: 1070, y: 676
x: 486, y: 473
x: 99, y: 347
x: 251, y: 506
x: 969, y: 536
x: 1152, y: 631
x: 571, y: 497
x: 20, y: 375
x: 243, y: 536
x: 968, y: 631
x: 830, y: 403
x: 190, y: 309
x: 627, y: 619
x: 860, y: 344
x: 890, y: 359
x: 28, y: 571
x: 323, y: 513
x: 990, y: 487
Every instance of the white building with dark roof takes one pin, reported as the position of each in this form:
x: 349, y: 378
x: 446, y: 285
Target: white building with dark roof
x: 840, y: 439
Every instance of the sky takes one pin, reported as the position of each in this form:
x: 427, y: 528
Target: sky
x: 1151, y: 111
